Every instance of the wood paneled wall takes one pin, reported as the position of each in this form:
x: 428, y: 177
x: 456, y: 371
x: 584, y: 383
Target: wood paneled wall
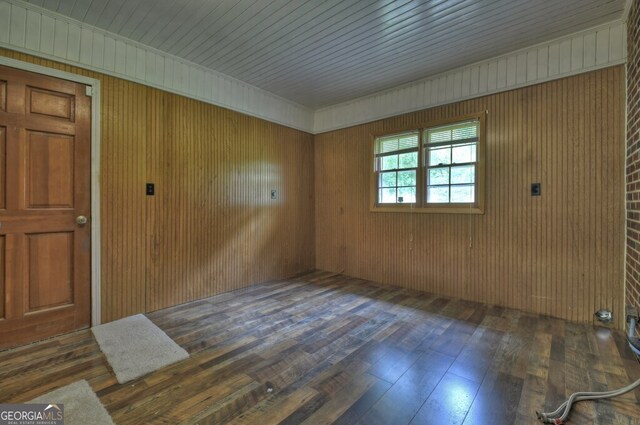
x: 212, y: 226
x: 560, y: 254
x: 212, y: 222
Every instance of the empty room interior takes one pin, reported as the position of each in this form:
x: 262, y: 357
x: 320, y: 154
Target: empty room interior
x: 319, y: 211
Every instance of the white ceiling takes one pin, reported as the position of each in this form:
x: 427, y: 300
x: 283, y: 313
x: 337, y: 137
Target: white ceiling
x: 322, y: 52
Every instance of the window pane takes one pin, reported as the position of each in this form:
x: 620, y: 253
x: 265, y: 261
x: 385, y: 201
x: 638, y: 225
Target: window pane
x: 438, y: 176
x: 407, y: 178
x: 388, y: 196
x: 453, y: 132
x: 464, y: 153
x: 388, y: 145
x: 463, y: 174
x: 408, y: 141
x: 407, y: 195
x: 397, y: 142
x: 462, y: 194
x: 438, y: 136
x: 466, y: 132
x: 388, y: 179
x: 438, y: 195
x: 408, y: 160
x: 389, y: 162
x: 440, y: 156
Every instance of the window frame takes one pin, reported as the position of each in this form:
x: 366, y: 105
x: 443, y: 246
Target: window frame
x: 421, y: 205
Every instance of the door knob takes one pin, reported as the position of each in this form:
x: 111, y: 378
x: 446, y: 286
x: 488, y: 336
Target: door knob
x: 81, y: 220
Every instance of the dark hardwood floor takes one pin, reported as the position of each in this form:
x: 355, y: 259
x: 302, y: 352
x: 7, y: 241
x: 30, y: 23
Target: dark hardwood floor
x: 323, y: 348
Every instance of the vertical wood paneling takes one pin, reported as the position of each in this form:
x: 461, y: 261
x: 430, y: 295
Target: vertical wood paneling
x: 559, y: 254
x: 5, y: 21
x: 60, y: 39
x: 33, y: 30
x: 73, y: 46
x: 211, y: 227
x: 18, y: 26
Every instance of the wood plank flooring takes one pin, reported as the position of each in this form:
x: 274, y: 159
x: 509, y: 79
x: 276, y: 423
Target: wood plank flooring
x: 324, y: 348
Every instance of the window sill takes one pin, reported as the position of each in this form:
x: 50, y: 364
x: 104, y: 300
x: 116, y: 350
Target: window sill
x: 428, y: 210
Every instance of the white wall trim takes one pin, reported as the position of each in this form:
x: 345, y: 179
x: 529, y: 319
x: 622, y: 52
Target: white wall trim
x: 30, y: 29
x: 95, y: 170
x: 599, y: 47
x: 627, y: 10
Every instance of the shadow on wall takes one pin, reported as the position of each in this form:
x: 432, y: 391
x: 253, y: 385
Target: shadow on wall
x: 213, y: 226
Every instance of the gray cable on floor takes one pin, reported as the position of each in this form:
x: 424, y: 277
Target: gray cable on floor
x: 565, y: 408
x: 557, y: 418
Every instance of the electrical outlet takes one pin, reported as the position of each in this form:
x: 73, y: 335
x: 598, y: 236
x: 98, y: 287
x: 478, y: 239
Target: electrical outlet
x: 604, y: 315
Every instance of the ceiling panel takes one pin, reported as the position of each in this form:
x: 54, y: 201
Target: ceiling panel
x: 321, y: 52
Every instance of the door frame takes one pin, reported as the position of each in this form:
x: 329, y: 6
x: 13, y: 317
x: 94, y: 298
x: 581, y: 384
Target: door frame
x: 95, y: 169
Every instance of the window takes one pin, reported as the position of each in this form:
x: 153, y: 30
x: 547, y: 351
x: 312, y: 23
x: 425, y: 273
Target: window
x: 451, y: 158
x: 436, y: 168
x: 397, y: 160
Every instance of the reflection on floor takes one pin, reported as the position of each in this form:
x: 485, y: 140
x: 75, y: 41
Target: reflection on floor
x: 324, y: 348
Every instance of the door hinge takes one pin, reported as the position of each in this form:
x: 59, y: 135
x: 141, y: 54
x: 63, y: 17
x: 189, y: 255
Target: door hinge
x: 89, y: 91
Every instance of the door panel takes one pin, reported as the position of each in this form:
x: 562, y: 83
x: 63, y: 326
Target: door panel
x: 49, y: 103
x: 45, y: 183
x: 49, y: 170
x: 50, y: 278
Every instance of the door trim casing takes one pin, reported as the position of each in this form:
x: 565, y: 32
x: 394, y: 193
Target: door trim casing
x: 95, y: 169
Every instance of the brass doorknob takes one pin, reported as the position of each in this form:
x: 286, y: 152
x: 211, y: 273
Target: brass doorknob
x: 81, y: 220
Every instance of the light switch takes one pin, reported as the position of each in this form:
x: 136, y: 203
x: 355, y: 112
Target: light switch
x: 536, y: 190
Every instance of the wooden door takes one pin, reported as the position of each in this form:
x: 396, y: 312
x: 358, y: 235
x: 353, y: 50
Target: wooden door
x: 45, y: 167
